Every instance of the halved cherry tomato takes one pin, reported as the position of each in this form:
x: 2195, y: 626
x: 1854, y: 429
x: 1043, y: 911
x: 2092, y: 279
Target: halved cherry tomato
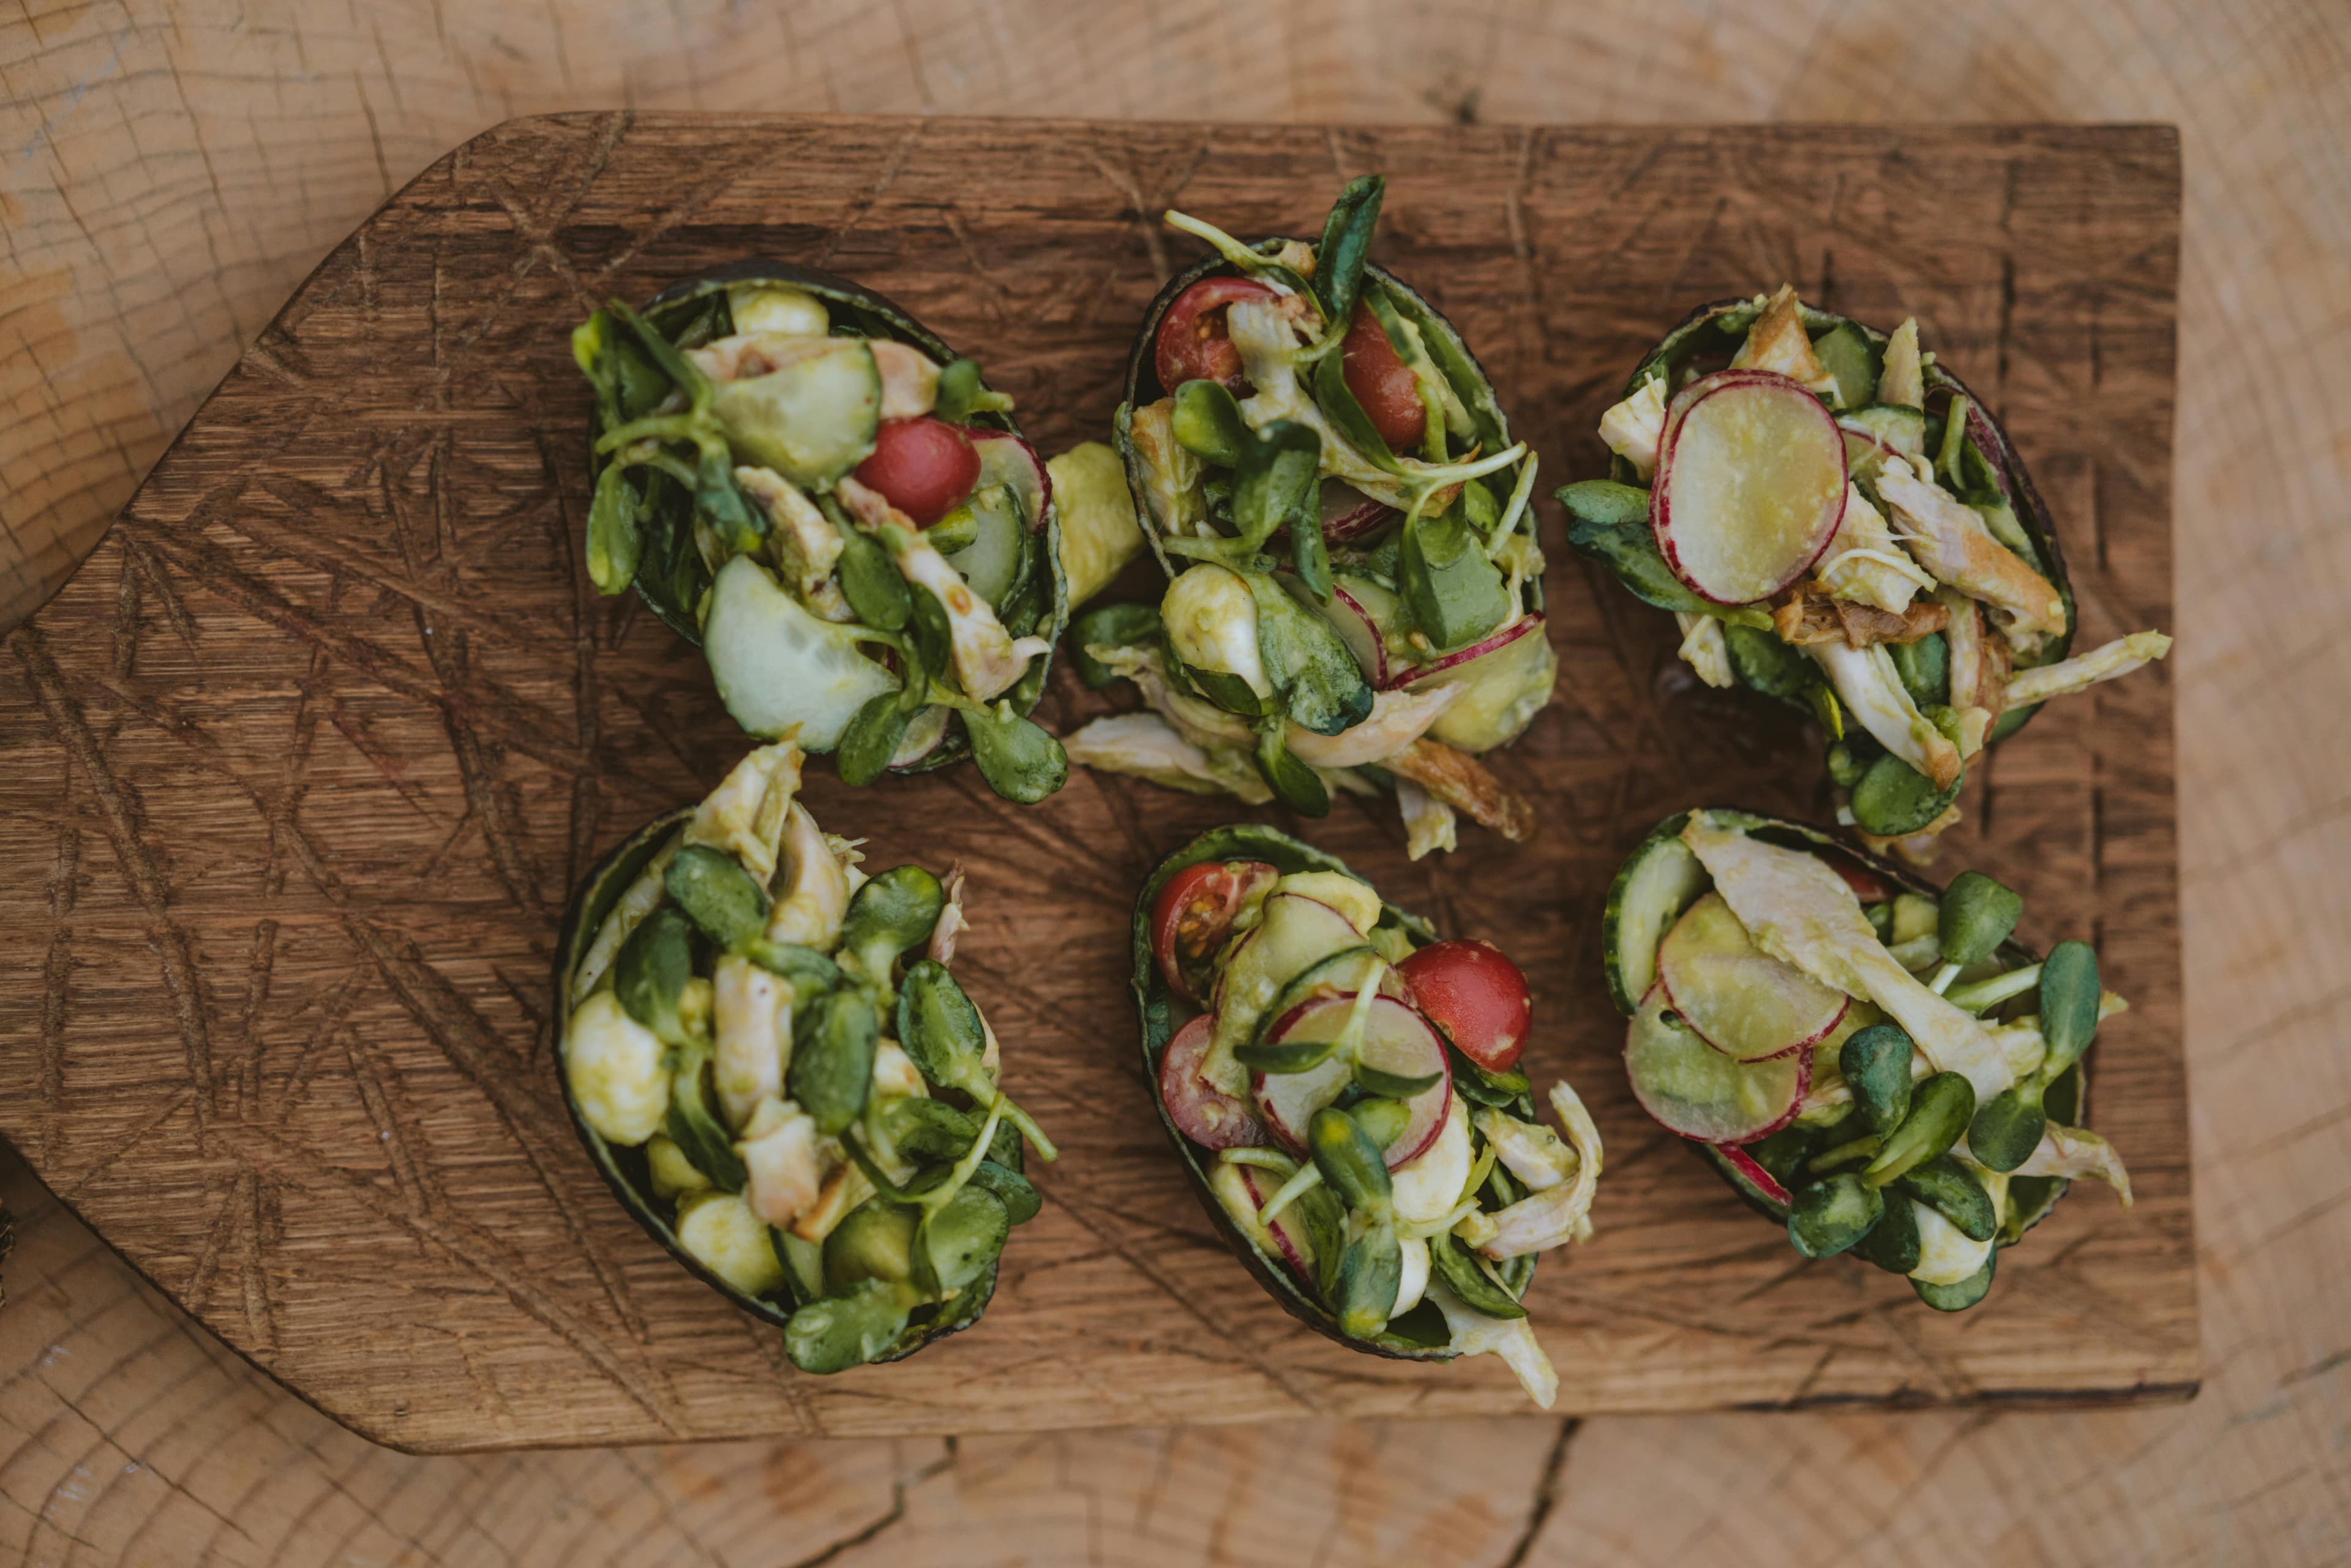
x: 1382, y: 383
x: 1476, y: 997
x: 1194, y: 914
x: 1201, y: 1112
x: 1193, y: 344
x: 925, y: 467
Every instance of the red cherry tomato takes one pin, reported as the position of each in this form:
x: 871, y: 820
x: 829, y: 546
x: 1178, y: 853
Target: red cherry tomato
x: 1193, y: 344
x: 1194, y: 914
x: 925, y: 467
x: 1476, y: 997
x: 1205, y: 1115
x: 1382, y: 384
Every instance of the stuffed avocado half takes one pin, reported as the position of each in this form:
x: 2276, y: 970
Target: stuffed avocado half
x: 798, y: 477
x: 1345, y: 1093
x: 1874, y: 1063
x: 1836, y: 521
x: 768, y: 1060
x: 1355, y: 593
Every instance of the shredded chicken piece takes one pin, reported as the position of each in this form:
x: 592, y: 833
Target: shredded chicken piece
x: 1777, y: 342
x: 910, y: 381
x: 843, y: 1190
x: 1978, y: 664
x: 745, y: 815
x: 802, y: 539
x: 988, y: 660
x: 1397, y: 720
x: 1871, y: 690
x: 1634, y: 427
x: 1428, y: 822
x: 1865, y: 565
x: 1704, y: 649
x: 1171, y: 474
x: 1146, y: 746
x: 1563, y: 1176
x: 1467, y: 785
x: 1513, y: 1339
x: 1902, y: 378
x: 751, y: 1020
x: 1813, y: 614
x: 1801, y: 911
x: 2119, y: 657
x: 811, y: 912
x: 952, y: 923
x: 2077, y: 1152
x: 1918, y: 849
x: 1951, y: 542
x: 779, y: 1152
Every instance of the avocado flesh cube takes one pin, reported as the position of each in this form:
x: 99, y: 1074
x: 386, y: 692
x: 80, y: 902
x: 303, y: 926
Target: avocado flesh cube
x: 811, y: 420
x: 1452, y: 589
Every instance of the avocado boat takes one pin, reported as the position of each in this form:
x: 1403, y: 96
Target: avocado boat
x: 767, y: 1058
x: 1874, y: 1063
x: 1836, y: 521
x: 1329, y: 480
x: 1345, y: 1093
x: 801, y: 479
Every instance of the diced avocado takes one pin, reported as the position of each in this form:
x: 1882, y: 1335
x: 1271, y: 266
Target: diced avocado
x: 1452, y: 589
x: 777, y: 665
x: 1099, y: 531
x: 812, y: 419
x: 1846, y: 351
x: 1502, y: 690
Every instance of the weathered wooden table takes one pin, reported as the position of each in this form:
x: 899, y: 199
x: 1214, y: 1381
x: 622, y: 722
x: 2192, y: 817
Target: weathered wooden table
x: 2260, y: 887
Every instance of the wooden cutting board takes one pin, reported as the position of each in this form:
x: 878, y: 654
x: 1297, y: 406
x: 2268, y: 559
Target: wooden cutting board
x: 295, y: 773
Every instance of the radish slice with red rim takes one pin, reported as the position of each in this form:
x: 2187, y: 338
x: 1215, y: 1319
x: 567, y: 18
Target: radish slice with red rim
x: 1526, y: 625
x: 1688, y: 1087
x: 1211, y: 1118
x: 1762, y: 1180
x: 1348, y: 513
x: 1750, y: 486
x: 1397, y: 1040
x: 1742, y: 1001
x: 1007, y: 459
x: 1357, y: 628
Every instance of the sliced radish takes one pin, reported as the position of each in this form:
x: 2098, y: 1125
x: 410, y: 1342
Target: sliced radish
x: 1688, y: 1087
x: 1484, y: 648
x: 1006, y: 459
x: 1395, y: 1040
x: 1244, y: 1190
x: 1357, y: 628
x: 1742, y: 1162
x: 1742, y: 1001
x: 1349, y: 514
x: 1293, y: 934
x: 1751, y: 488
x: 1867, y: 884
x: 1206, y: 1116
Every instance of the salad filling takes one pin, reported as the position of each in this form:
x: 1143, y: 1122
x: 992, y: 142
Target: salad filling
x: 1878, y: 1065
x: 768, y: 1057
x: 798, y: 477
x: 1356, y: 589
x: 1348, y: 1096
x: 1836, y: 521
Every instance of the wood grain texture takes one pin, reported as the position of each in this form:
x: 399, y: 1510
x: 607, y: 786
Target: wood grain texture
x: 176, y: 170
x: 305, y: 758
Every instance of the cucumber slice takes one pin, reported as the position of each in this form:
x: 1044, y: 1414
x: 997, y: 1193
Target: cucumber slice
x: 777, y: 665
x: 1846, y: 353
x: 991, y: 562
x: 1688, y: 1087
x: 1742, y: 1001
x: 1659, y: 881
x: 1889, y: 425
x: 813, y: 420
